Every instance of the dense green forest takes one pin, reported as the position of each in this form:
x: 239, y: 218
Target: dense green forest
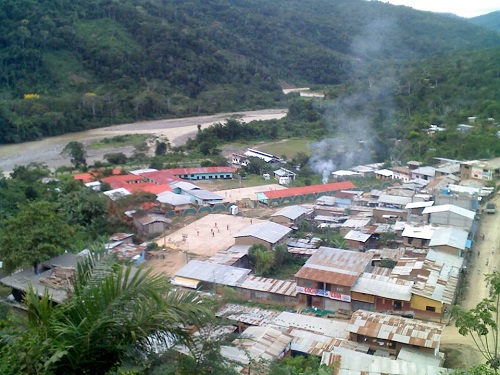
x: 490, y: 21
x: 68, y: 66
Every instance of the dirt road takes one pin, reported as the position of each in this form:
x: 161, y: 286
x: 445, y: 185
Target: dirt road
x: 177, y: 131
x: 484, y: 259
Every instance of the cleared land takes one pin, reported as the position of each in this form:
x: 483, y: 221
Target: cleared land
x: 199, y: 240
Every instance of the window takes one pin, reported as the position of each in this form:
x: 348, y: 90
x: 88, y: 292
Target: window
x: 430, y: 308
x: 397, y: 305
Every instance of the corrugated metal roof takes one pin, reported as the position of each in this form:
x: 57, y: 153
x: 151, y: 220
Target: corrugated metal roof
x: 383, y: 286
x: 356, y: 235
x: 265, y: 343
x: 437, y: 282
x: 184, y: 185
x: 419, y: 231
x: 313, y: 189
x: 419, y: 204
x: 172, y: 198
x: 247, y: 314
x: 425, y: 171
x: 205, y: 195
x: 283, y: 287
x: 450, y: 208
x: 311, y: 343
x: 453, y: 237
x: 117, y: 193
x: 212, y: 272
x: 326, y: 327
x: 356, y: 223
x: 349, y: 362
x: 335, y: 266
x: 396, y: 328
x: 266, y: 231
x: 230, y: 256
x: 292, y: 212
x: 394, y: 199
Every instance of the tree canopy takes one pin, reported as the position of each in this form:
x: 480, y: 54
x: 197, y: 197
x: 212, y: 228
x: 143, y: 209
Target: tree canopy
x: 36, y: 233
x: 113, y: 311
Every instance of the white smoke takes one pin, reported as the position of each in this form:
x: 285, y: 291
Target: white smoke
x: 348, y: 118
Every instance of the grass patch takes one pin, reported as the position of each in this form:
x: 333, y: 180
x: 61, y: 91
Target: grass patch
x: 288, y: 147
x: 288, y: 270
x: 120, y: 141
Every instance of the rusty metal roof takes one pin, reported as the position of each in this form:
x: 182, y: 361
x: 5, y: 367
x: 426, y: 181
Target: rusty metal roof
x: 435, y: 278
x: 263, y: 284
x: 383, y: 286
x: 335, y: 266
x: 395, y: 328
x: 349, y: 362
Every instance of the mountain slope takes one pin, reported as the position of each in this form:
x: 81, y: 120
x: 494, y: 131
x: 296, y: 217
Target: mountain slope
x: 489, y: 21
x: 98, y: 62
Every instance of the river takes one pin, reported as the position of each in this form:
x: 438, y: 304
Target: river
x: 48, y: 150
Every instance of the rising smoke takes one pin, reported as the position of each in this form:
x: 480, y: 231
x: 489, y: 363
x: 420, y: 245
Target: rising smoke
x: 350, y: 118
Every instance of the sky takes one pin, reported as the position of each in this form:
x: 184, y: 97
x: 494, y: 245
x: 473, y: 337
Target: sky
x: 462, y: 8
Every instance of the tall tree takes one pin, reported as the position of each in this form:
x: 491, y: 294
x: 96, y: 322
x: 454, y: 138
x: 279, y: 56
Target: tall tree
x: 36, y: 233
x: 113, y: 310
x: 77, y: 154
x: 481, y: 323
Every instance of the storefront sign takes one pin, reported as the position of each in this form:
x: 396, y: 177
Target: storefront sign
x: 324, y: 293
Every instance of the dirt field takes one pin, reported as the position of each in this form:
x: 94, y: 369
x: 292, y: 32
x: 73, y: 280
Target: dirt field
x: 485, y: 251
x: 199, y: 240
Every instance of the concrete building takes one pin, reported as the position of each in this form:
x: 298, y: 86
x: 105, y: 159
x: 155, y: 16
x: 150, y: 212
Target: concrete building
x: 486, y: 170
x: 468, y: 200
x: 450, y: 215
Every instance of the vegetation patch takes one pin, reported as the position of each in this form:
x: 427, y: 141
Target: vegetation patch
x: 288, y: 148
x: 135, y: 140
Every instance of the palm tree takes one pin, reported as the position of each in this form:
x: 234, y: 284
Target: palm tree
x: 112, y: 310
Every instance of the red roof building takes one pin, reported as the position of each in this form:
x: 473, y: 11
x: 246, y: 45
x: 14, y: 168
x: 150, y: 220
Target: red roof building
x: 300, y: 194
x: 203, y: 173
x: 163, y: 177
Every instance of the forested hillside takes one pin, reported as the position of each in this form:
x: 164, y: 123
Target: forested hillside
x: 490, y: 21
x: 68, y: 66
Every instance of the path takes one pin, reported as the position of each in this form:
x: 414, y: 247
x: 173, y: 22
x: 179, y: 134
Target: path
x: 476, y: 286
